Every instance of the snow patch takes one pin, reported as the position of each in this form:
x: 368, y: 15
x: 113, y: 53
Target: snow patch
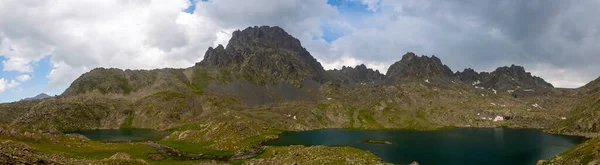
x: 295, y: 118
x: 329, y: 98
x: 427, y: 80
x: 563, y: 118
x: 476, y: 82
x: 494, y: 90
x: 536, y: 105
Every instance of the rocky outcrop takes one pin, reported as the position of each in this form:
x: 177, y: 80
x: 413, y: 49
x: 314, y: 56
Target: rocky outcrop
x: 120, y: 155
x: 513, y: 77
x: 470, y: 76
x: 265, y: 55
x: 356, y: 75
x: 413, y: 67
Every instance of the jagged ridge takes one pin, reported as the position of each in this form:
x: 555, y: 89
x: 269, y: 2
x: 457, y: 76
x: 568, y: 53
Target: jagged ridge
x: 358, y: 74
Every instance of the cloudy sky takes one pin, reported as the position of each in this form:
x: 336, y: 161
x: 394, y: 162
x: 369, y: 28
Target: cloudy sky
x: 45, y: 45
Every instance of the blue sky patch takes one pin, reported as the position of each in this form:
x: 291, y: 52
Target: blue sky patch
x: 192, y: 7
x: 350, y: 7
x: 37, y: 84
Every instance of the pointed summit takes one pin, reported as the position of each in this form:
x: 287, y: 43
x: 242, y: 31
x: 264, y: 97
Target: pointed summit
x: 414, y: 67
x: 265, y: 36
x: 266, y: 55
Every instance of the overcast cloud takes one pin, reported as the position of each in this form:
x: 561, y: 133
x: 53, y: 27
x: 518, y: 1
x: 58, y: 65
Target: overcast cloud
x: 556, y: 40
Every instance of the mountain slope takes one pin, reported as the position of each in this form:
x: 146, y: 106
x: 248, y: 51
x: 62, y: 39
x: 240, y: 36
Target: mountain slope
x: 583, y: 118
x: 125, y: 82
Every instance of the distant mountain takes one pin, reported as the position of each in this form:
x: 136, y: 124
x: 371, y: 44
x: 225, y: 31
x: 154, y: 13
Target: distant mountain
x: 358, y: 74
x: 503, y: 79
x: 413, y: 67
x: 39, y: 96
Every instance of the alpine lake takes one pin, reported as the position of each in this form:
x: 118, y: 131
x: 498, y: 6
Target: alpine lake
x: 457, y: 146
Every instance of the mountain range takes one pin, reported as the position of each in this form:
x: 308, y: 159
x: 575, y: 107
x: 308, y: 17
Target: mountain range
x: 265, y: 82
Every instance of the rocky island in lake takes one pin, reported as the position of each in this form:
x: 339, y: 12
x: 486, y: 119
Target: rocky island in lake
x: 377, y: 142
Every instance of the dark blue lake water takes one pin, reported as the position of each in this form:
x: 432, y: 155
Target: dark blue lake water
x: 459, y: 146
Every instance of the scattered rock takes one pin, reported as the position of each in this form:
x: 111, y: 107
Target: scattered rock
x: 498, y: 118
x: 156, y: 157
x: 120, y: 155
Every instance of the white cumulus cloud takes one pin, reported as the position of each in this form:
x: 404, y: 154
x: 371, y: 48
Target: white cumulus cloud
x: 23, y: 78
x: 5, y: 84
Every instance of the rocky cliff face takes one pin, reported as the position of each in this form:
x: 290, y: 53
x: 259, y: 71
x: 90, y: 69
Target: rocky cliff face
x: 414, y: 67
x: 358, y: 74
x: 513, y: 77
x: 265, y: 55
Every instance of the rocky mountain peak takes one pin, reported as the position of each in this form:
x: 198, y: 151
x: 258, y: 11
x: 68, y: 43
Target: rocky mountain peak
x: 508, y: 78
x: 470, y: 76
x: 418, y: 67
x: 271, y: 36
x: 266, y: 55
x: 358, y: 74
